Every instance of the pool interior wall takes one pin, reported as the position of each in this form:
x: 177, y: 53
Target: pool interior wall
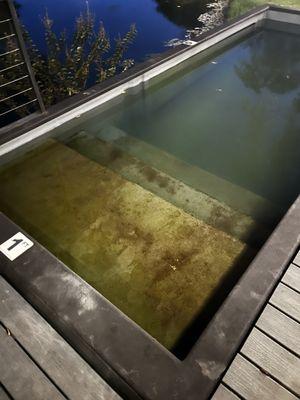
x: 163, y: 199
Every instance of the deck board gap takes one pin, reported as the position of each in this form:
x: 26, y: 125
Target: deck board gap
x: 50, y: 352
x: 296, y: 260
x: 287, y: 300
x: 35, y: 362
x: 281, y: 327
x: 276, y: 341
x: 280, y: 310
x: 243, y: 371
x: 22, y: 378
x: 292, y: 277
x: 270, y: 375
x: 5, y: 391
x: 290, y: 287
x: 233, y: 390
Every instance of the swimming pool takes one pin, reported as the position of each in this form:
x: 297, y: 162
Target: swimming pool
x: 161, y: 198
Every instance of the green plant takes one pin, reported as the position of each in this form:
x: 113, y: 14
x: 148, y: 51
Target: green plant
x: 71, y: 64
x: 238, y: 7
x: 67, y: 66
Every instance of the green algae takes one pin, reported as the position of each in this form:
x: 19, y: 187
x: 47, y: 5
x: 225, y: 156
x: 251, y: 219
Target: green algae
x: 155, y: 262
x: 192, y: 201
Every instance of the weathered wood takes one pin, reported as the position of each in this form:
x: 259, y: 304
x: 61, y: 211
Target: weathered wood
x: 287, y: 300
x: 274, y: 359
x: 280, y: 327
x: 22, y: 378
x: 3, y: 395
x: 223, y: 393
x: 297, y: 259
x: 252, y: 384
x: 265, y: 369
x: 66, y: 368
x: 292, y: 277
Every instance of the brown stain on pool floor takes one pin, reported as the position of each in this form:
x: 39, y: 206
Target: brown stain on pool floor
x: 155, y: 262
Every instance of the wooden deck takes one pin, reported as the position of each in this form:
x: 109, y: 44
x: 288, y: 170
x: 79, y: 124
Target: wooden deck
x: 36, y: 363
x: 268, y: 364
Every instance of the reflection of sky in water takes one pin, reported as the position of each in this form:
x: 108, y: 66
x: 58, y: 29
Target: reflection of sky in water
x: 236, y: 117
x: 154, y: 27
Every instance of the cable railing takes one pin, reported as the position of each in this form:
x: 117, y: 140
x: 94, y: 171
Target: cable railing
x: 19, y: 92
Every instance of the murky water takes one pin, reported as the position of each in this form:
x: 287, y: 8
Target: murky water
x: 155, y: 262
x: 162, y: 202
x: 236, y: 117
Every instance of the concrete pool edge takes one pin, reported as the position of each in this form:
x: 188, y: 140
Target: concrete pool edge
x: 126, y: 356
x: 36, y: 126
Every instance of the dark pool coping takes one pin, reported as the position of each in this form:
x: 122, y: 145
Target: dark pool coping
x: 125, y: 355
x: 33, y: 121
x: 129, y: 359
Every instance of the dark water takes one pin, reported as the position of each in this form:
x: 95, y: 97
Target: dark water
x: 157, y: 21
x: 237, y: 116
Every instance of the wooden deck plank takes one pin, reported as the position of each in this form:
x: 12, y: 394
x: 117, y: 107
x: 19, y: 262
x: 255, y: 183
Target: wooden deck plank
x: 268, y: 365
x: 280, y: 327
x: 22, y: 378
x: 297, y: 259
x: 287, y: 300
x: 274, y: 359
x: 3, y: 395
x: 292, y: 277
x: 67, y: 369
x: 262, y: 387
x: 223, y: 393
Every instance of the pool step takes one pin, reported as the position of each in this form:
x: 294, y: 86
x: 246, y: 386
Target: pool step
x: 155, y: 262
x: 236, y: 197
x: 196, y: 203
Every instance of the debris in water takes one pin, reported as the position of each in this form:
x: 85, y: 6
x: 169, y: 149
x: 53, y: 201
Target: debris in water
x: 177, y: 42
x: 189, y: 42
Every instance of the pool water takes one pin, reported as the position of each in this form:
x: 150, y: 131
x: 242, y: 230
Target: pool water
x: 239, y: 109
x: 161, y: 201
x: 157, y: 21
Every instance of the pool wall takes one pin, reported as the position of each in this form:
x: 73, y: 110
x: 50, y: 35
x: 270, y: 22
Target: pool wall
x: 136, y: 365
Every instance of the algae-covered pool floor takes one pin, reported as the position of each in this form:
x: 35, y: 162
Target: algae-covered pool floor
x: 156, y: 263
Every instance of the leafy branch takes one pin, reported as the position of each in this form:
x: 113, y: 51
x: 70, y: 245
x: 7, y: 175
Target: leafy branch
x: 69, y: 66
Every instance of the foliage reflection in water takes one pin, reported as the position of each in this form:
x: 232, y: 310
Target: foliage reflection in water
x: 161, y: 203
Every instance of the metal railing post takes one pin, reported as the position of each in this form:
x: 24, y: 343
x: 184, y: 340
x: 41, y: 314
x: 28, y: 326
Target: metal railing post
x: 21, y: 43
